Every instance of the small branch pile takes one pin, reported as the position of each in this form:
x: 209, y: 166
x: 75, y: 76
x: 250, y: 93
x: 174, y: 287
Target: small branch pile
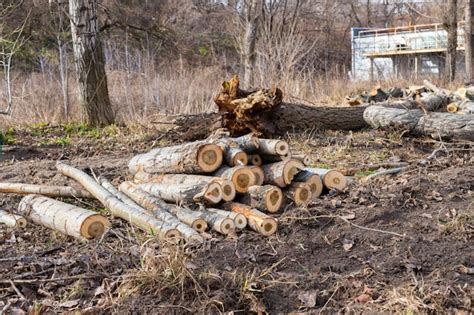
x: 179, y: 192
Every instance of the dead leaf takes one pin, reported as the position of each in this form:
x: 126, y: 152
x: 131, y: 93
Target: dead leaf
x: 308, y: 298
x: 363, y: 298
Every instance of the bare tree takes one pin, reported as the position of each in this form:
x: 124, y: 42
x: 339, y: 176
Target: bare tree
x: 469, y: 39
x: 252, y: 12
x: 90, y: 65
x: 451, y: 24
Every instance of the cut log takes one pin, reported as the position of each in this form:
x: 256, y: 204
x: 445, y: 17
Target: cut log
x: 210, y: 193
x: 303, y: 158
x: 281, y: 173
x: 313, y: 180
x: 258, y: 221
x: 273, y: 147
x: 136, y: 216
x: 219, y: 223
x: 12, y: 220
x: 248, y: 143
x: 436, y: 125
x: 241, y: 176
x: 452, y: 108
x: 45, y: 190
x: 233, y: 154
x: 259, y: 175
x: 466, y: 107
x: 120, y: 195
x: 239, y: 219
x: 65, y: 218
x: 300, y: 193
x: 255, y: 159
x: 228, y: 188
x: 266, y: 198
x: 162, y: 211
x: 193, y: 158
x: 275, y: 158
x: 331, y: 179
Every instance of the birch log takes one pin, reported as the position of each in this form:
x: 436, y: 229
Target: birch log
x: 120, y: 195
x: 241, y: 176
x: 258, y: 221
x: 273, y: 147
x: 136, y: 216
x: 228, y: 188
x: 233, y: 154
x: 210, y: 193
x: 160, y: 209
x: 193, y: 158
x: 281, y: 173
x: 45, y: 190
x: 313, y: 180
x: 12, y: 220
x: 219, y: 223
x: 331, y: 179
x: 266, y: 198
x: 300, y: 193
x: 65, y: 218
x: 239, y: 219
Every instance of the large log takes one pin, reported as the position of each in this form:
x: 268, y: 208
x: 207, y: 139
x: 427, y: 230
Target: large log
x: 210, y: 193
x: 193, y: 158
x: 240, y: 221
x: 66, y: 218
x: 258, y: 221
x: 12, y: 220
x: 436, y: 125
x: 135, y: 216
x: 228, y: 188
x: 241, y: 176
x: 266, y: 198
x: 45, y: 190
x: 281, y: 173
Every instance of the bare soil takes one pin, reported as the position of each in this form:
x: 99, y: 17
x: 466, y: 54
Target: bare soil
x: 398, y: 243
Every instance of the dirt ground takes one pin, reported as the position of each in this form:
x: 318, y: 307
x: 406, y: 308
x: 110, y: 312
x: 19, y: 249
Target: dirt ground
x: 398, y: 243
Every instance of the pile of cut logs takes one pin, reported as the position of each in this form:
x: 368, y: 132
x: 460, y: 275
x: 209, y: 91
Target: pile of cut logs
x: 178, y: 192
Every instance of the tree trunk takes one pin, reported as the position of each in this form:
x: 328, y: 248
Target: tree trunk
x: 469, y: 39
x: 452, y: 29
x: 249, y: 41
x: 90, y: 65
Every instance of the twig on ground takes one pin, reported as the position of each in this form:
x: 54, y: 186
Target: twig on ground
x: 385, y: 172
x: 18, y: 292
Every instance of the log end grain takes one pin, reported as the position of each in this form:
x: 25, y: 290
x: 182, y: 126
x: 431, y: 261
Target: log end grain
x: 240, y: 158
x: 240, y: 221
x: 300, y: 193
x: 452, y: 108
x: 258, y: 174
x: 292, y: 167
x: 255, y: 159
x: 213, y: 193
x: 209, y: 157
x: 273, y: 199
x: 199, y: 225
x: 94, y: 226
x: 243, y: 178
x: 335, y: 180
x: 228, y: 189
x: 268, y: 226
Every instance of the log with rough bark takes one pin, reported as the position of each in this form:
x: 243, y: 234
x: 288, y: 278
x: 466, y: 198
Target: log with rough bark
x: 259, y: 175
x: 12, y: 220
x: 266, y: 198
x: 228, y: 188
x: 136, y: 216
x: 45, y: 190
x: 219, y: 223
x: 65, y: 218
x: 162, y: 211
x: 331, y: 179
x: 255, y: 159
x: 241, y: 176
x: 436, y: 125
x: 313, y: 180
x: 210, y: 193
x: 240, y: 221
x: 281, y: 173
x: 258, y: 221
x: 299, y: 192
x: 248, y: 142
x: 193, y: 158
x: 466, y: 107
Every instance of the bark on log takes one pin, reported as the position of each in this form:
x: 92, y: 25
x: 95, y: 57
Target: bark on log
x: 313, y: 180
x: 281, y: 173
x: 233, y: 154
x: 210, y: 193
x: 300, y: 193
x: 219, y: 223
x: 248, y: 143
x: 66, y: 218
x: 161, y: 210
x: 241, y: 176
x: 331, y: 179
x: 266, y: 198
x: 258, y: 221
x: 12, y: 220
x: 193, y: 158
x: 255, y: 159
x: 466, y: 107
x: 120, y: 195
x: 303, y: 158
x: 240, y: 221
x: 436, y: 125
x: 45, y: 190
x: 135, y: 216
x: 259, y: 175
x: 228, y: 188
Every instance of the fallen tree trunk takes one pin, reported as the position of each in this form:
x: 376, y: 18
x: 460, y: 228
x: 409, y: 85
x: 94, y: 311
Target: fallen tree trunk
x: 266, y: 198
x: 193, y: 158
x: 12, y: 220
x: 65, y: 218
x: 258, y: 221
x: 436, y: 125
x: 45, y: 190
x: 210, y: 193
x: 135, y: 216
x: 240, y: 221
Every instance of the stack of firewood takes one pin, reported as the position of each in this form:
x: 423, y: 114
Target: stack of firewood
x: 178, y: 192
